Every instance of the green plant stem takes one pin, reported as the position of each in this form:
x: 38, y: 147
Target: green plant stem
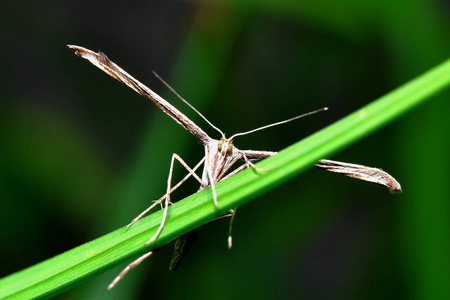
x: 69, y: 269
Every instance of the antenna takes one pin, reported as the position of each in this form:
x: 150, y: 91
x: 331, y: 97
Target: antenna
x: 279, y: 123
x: 185, y: 101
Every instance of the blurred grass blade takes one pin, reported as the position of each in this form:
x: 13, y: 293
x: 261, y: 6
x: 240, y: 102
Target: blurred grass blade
x: 69, y: 269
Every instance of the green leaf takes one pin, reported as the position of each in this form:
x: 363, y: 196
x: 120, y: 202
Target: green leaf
x: 69, y: 269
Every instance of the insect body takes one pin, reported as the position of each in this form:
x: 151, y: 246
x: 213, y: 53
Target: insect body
x: 220, y: 155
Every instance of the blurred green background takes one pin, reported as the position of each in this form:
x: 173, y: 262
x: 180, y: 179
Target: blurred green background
x: 81, y: 155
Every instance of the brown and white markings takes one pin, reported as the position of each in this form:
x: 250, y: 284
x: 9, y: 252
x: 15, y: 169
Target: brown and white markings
x: 220, y: 155
x: 361, y: 172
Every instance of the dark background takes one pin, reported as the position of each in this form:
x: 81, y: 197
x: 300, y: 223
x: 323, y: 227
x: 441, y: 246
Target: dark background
x: 81, y: 155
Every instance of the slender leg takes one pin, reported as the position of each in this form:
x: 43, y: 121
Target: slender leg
x: 219, y: 177
x: 235, y: 171
x: 247, y: 164
x: 230, y: 228
x: 250, y: 164
x: 208, y: 172
x: 229, y: 165
x: 191, y: 173
x: 130, y: 266
x: 167, y: 198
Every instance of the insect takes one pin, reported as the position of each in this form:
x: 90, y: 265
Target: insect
x: 220, y: 155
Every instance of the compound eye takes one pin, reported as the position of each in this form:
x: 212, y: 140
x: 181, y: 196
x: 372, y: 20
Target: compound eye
x: 230, y: 149
x: 219, y: 146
